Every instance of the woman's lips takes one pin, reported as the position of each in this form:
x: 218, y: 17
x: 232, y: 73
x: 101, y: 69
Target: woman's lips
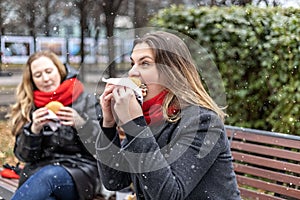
x: 47, y: 87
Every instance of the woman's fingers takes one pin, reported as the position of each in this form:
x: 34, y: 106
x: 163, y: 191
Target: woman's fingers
x: 106, y: 101
x: 122, y: 93
x: 39, y: 115
x: 126, y: 106
x: 106, y: 96
x: 67, y: 116
x: 39, y: 119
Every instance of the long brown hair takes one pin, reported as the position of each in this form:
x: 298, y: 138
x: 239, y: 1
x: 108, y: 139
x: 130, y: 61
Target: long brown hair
x: 179, y: 73
x: 20, y: 111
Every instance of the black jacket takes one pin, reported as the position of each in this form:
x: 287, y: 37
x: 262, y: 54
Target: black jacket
x: 71, y: 148
x: 189, y: 159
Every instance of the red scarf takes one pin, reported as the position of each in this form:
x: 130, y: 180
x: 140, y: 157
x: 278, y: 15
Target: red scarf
x: 152, y: 109
x: 66, y: 93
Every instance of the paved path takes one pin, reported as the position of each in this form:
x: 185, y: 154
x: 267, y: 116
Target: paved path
x: 12, y: 80
x: 7, y: 87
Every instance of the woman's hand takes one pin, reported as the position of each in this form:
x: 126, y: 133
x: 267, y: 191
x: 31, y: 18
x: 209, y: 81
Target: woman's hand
x: 39, y: 120
x: 70, y: 117
x: 106, y: 101
x: 126, y: 105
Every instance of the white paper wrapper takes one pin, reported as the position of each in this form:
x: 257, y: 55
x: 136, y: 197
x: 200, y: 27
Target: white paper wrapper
x: 127, y: 82
x: 54, y: 123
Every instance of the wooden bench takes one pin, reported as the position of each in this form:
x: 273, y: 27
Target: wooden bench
x: 267, y: 164
x: 7, y: 187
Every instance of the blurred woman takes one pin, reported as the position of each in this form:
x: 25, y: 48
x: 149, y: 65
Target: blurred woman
x: 58, y: 158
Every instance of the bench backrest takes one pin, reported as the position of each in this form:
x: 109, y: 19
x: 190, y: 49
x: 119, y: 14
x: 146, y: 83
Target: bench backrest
x: 267, y: 164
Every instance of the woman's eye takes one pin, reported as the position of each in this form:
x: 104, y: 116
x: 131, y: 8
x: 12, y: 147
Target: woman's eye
x: 37, y: 75
x: 48, y: 71
x: 145, y: 63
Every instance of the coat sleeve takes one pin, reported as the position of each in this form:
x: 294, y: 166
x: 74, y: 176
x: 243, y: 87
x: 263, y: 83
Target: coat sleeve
x: 179, y: 166
x: 108, y: 144
x: 28, y: 145
x: 88, y: 107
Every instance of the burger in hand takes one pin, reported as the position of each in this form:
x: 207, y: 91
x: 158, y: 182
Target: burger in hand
x: 54, y: 106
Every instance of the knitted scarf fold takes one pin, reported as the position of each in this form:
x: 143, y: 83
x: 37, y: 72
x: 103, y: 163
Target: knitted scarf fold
x: 152, y: 109
x: 66, y: 93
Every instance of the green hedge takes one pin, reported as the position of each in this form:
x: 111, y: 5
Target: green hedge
x: 257, y: 51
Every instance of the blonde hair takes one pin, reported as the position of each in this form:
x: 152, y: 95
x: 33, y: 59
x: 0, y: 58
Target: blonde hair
x: 176, y: 66
x: 20, y: 111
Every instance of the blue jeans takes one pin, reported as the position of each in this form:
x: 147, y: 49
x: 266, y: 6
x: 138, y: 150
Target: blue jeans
x: 51, y: 182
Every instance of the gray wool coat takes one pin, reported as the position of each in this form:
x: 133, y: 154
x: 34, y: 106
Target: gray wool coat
x: 189, y: 159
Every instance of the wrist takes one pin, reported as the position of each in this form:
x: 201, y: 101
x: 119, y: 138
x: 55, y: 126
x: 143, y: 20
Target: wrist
x: 80, y: 122
x: 108, y: 124
x: 34, y: 129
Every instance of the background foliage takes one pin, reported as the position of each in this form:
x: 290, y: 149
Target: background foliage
x: 257, y: 51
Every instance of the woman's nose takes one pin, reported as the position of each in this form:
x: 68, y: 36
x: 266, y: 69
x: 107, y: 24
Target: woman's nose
x: 45, y: 77
x: 133, y: 71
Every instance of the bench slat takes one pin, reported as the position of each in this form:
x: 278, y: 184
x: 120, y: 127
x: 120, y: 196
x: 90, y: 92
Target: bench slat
x: 271, y: 175
x: 265, y: 150
x: 266, y: 162
x: 250, y: 194
x: 237, y: 134
x: 290, y: 192
x: 12, y: 182
x: 7, y: 187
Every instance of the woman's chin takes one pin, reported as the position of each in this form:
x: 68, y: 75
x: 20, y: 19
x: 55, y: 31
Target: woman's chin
x: 48, y: 89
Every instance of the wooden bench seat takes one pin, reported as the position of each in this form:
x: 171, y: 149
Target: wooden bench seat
x: 7, y: 187
x: 267, y: 164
